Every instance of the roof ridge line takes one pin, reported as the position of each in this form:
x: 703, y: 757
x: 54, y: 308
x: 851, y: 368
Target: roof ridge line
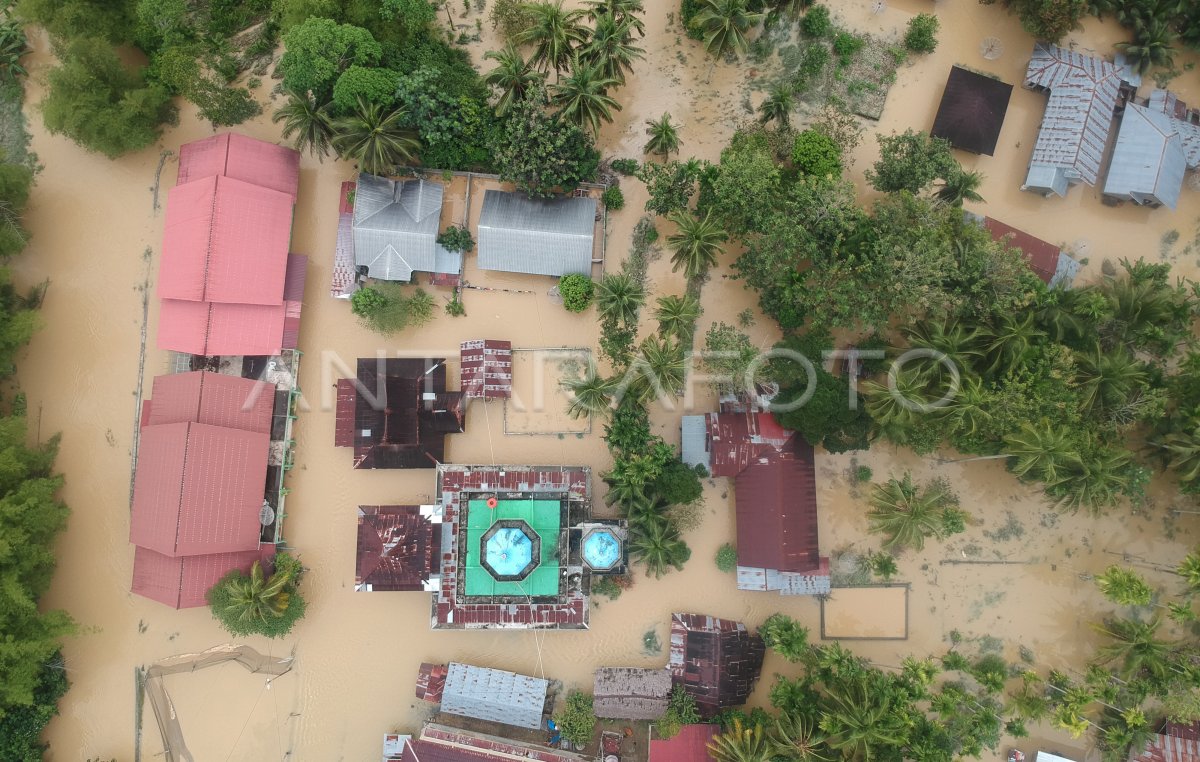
x: 182, y: 480
x: 212, y: 220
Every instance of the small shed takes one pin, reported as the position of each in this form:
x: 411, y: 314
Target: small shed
x: 972, y: 111
x: 717, y: 661
x: 537, y: 236
x: 485, y: 367
x: 629, y: 693
x: 494, y: 695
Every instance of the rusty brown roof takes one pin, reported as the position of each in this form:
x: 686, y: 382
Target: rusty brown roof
x: 776, y: 504
x: 972, y: 111
x: 1041, y: 255
x: 717, y: 661
x: 397, y: 548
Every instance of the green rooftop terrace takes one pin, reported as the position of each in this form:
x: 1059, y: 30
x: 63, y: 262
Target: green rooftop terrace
x: 543, y: 517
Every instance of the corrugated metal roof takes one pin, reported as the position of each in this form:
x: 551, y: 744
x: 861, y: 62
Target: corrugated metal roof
x: 214, y: 399
x: 242, y: 158
x: 439, y: 743
x: 183, y: 582
x: 1074, y: 131
x: 1148, y: 162
x: 972, y: 111
x: 1042, y: 256
x: 694, y: 441
x: 1175, y: 742
x: 198, y: 489
x: 630, y: 693
x: 396, y: 226
x: 717, y: 661
x: 225, y: 240
x: 398, y: 546
x: 494, y: 695
x: 776, y: 504
x: 485, y: 369
x: 534, y: 235
x: 690, y: 744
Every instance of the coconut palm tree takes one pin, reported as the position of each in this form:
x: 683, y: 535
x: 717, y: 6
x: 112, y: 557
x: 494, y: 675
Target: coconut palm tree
x: 789, y: 9
x: 1041, y: 451
x: 1189, y: 569
x: 697, y: 244
x: 656, y: 544
x: 962, y: 345
x: 622, y: 490
x: 512, y: 77
x: 1059, y: 317
x: 582, y: 97
x: 619, y: 297
x: 1124, y: 586
x: 664, y: 137
x: 960, y: 186
x: 1135, y: 648
x: 1108, y: 378
x: 724, y: 24
x: 677, y: 315
x: 796, y: 738
x: 662, y: 369
x: 623, y: 11
x: 1096, y: 481
x: 645, y: 509
x: 591, y: 394
x: 908, y: 513
x: 250, y: 601
x: 859, y: 716
x: 554, y: 34
x: 1183, y: 452
x: 741, y: 744
x: 778, y: 105
x: 375, y: 138
x: 308, y: 121
x: 1010, y: 341
x: 611, y: 48
x: 1151, y: 46
x: 897, y: 415
x: 970, y: 407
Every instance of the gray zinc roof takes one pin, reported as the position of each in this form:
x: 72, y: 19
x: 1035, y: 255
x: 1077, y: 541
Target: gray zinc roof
x: 694, y: 441
x: 494, y: 695
x: 396, y: 226
x: 1148, y: 162
x: 629, y: 693
x: 535, y: 235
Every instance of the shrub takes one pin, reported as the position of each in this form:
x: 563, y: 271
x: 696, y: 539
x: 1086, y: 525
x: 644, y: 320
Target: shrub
x: 882, y: 565
x: 921, y: 36
x: 816, y: 22
x: 813, y: 62
x: 576, y: 291
x: 454, y: 307
x: 511, y: 17
x: 625, y: 167
x: 681, y: 710
x: 688, y: 10
x: 678, y: 483
x: 254, y: 604
x: 727, y: 557
x: 613, y: 198
x: 606, y: 586
x: 815, y: 153
x: 577, y: 721
x: 785, y: 636
x: 846, y: 45
x: 456, y: 238
x: 861, y: 474
x: 387, y: 308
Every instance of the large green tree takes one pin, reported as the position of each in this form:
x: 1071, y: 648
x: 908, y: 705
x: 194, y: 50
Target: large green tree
x: 318, y: 50
x: 540, y: 152
x: 911, y: 161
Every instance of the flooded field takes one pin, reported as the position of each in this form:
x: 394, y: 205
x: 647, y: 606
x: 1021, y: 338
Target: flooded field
x: 1018, y: 574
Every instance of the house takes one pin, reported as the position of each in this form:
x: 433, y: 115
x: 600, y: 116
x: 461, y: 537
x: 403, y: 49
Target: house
x: 775, y: 494
x: 485, y: 369
x: 690, y: 744
x: 396, y: 228
x: 537, y: 236
x: 972, y: 111
x: 441, y: 743
x: 1049, y: 262
x: 397, y: 413
x: 227, y: 284
x: 629, y: 693
x: 199, y: 484
x: 716, y: 661
x: 398, y: 547
x: 1174, y: 742
x: 494, y: 695
x: 511, y: 555
x: 1155, y: 147
x: 1070, y: 145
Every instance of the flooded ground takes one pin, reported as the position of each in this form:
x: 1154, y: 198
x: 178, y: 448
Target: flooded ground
x: 1018, y: 574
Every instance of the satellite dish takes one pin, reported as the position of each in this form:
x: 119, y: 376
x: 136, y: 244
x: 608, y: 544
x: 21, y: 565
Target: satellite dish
x: 991, y: 48
x: 266, y: 515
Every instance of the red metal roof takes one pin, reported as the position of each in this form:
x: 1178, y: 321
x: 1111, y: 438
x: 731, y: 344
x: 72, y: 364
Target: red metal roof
x: 212, y: 398
x: 1041, y: 255
x: 485, y: 369
x: 690, y: 744
x: 1176, y: 742
x: 776, y: 503
x: 225, y: 240
x: 198, y: 489
x: 182, y: 582
x: 431, y: 681
x: 738, y: 438
x: 398, y: 547
x: 242, y: 158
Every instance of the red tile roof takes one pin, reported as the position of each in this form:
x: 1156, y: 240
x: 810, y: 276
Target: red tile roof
x: 776, y: 503
x: 183, y: 582
x: 1176, y: 742
x: 198, y: 489
x: 242, y: 158
x: 690, y: 744
x: 398, y: 548
x: 717, y: 661
x: 1041, y: 255
x: 225, y: 241
x: 485, y: 369
x: 212, y: 398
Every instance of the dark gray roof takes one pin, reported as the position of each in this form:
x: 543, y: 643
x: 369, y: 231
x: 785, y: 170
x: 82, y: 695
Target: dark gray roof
x: 1148, y: 162
x: 536, y: 235
x: 396, y: 226
x: 495, y: 695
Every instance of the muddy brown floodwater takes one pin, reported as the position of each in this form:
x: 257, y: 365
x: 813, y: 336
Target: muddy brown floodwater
x: 94, y: 220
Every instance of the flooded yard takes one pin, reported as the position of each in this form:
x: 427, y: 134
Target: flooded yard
x: 1017, y: 577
